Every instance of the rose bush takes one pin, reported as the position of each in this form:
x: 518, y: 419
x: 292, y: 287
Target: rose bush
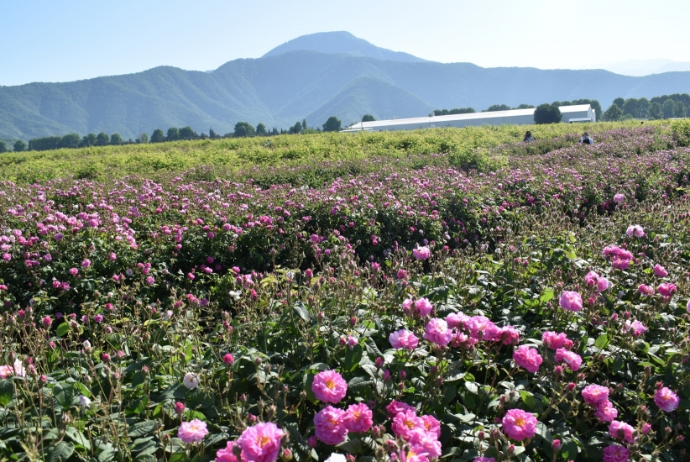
x: 223, y: 320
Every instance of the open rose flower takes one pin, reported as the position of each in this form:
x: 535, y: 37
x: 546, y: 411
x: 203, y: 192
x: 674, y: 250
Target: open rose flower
x: 330, y: 427
x: 329, y: 387
x: 193, y: 431
x: 571, y: 301
x: 527, y: 358
x: 519, y: 425
x: 261, y: 442
x: 403, y: 339
x: 666, y: 399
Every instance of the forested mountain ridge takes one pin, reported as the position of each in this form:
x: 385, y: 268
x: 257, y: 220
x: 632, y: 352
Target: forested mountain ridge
x: 280, y: 89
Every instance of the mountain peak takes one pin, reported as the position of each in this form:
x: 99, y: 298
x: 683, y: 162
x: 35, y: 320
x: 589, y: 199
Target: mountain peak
x: 338, y: 42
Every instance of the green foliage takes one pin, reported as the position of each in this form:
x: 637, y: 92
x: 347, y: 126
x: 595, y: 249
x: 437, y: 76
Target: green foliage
x: 261, y: 130
x: 102, y: 139
x: 679, y: 110
x: 619, y: 102
x: 173, y: 134
x: 19, y: 146
x: 667, y: 108
x: 613, y: 113
x: 681, y: 132
x: 158, y: 136
x: 547, y: 114
x: 497, y: 107
x: 369, y: 118
x: 70, y: 141
x: 654, y: 112
x: 296, y: 129
x: 462, y: 110
x: 116, y: 139
x: 186, y: 133
x: 3, y: 146
x: 244, y: 129
x: 333, y: 124
x: 45, y: 144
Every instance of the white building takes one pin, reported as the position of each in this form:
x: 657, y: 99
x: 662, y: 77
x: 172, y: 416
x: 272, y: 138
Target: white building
x: 571, y: 114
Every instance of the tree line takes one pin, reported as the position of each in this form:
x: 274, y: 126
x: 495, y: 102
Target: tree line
x: 242, y: 129
x: 659, y: 107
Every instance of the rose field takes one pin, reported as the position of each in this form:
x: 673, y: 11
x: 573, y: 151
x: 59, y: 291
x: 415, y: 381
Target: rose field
x: 422, y: 297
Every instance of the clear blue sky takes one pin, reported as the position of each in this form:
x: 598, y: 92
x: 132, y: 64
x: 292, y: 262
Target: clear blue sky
x: 63, y: 40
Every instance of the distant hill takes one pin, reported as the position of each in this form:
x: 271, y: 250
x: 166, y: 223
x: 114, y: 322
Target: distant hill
x: 341, y: 42
x: 283, y: 88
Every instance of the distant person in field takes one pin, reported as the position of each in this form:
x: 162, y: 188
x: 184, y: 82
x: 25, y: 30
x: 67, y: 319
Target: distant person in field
x: 586, y: 139
x: 528, y: 137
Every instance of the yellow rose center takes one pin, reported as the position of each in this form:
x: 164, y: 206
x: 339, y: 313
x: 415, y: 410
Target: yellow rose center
x: 409, y: 424
x: 330, y: 384
x: 263, y: 440
x: 520, y: 422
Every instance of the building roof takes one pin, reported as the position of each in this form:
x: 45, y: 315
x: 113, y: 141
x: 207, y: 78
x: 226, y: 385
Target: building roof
x: 565, y: 110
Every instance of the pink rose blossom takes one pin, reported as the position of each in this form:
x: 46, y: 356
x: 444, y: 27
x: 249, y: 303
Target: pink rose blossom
x: 484, y: 459
x: 618, y: 198
x: 571, y: 301
x: 622, y: 430
x: 396, y: 407
x: 358, y: 418
x: 660, y: 271
x: 635, y: 231
x: 16, y: 369
x: 403, y: 339
x: 226, y: 454
x: 260, y: 443
x: 414, y: 454
x: 621, y: 263
x: 329, y: 387
x: 519, y: 425
x: 477, y: 324
x: 616, y: 453
x: 457, y: 320
x: 192, y: 432
x: 407, y: 306
x: 646, y: 428
x: 423, y: 307
x: 645, y: 290
x: 509, y: 335
x: 554, y: 340
x: 666, y: 399
x: 73, y: 271
x: 613, y: 251
x: 432, y: 425
x: 573, y: 360
x: 605, y: 411
x: 428, y: 441
x: 527, y: 358
x: 421, y: 253
x: 667, y: 289
x: 595, y: 394
x: 406, y: 421
x: 636, y: 326
x: 437, y: 332
x: 330, y: 427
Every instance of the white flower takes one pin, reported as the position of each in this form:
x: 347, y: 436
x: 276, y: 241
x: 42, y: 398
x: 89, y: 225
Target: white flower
x: 190, y: 381
x: 235, y: 294
x: 335, y: 457
x: 168, y: 314
x: 84, y: 401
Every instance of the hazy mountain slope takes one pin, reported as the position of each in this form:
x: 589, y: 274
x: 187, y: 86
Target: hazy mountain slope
x: 367, y: 95
x: 340, y: 42
x: 282, y: 89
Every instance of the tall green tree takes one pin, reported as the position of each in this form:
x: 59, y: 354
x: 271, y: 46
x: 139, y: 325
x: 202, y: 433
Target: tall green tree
x: 643, y: 106
x: 369, y: 118
x: 498, y: 107
x: 3, y: 146
x: 116, y: 139
x: 547, y: 114
x: 333, y: 124
x: 19, y: 146
x: 243, y: 129
x: 157, y: 136
x: 296, y: 129
x: 143, y: 138
x: 632, y: 107
x: 102, y: 139
x: 667, y: 108
x: 654, y: 112
x: 261, y: 129
x: 70, y: 140
x: 304, y: 124
x: 619, y: 102
x: 173, y: 134
x: 679, y: 109
x: 186, y: 133
x: 613, y: 113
